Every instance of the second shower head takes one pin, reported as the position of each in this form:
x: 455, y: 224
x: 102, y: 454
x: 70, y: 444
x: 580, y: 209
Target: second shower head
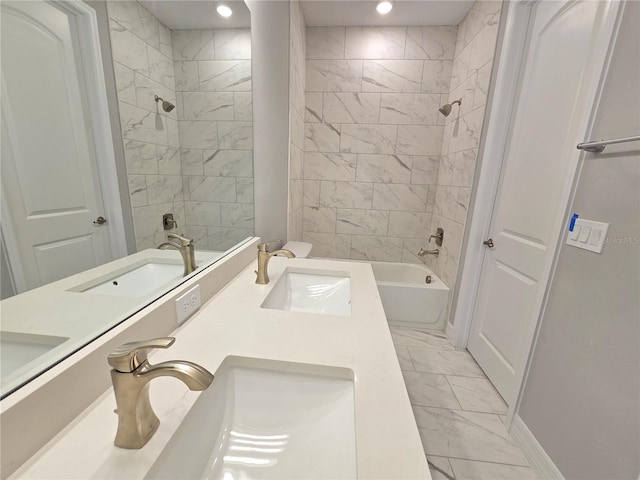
x: 166, y: 106
x: 446, y: 109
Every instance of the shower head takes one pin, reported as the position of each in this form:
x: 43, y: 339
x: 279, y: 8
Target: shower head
x: 446, y: 109
x: 166, y: 106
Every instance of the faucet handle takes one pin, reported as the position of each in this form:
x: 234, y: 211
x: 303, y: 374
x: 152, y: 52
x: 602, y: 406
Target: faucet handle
x: 184, y: 241
x: 265, y: 246
x: 126, y: 358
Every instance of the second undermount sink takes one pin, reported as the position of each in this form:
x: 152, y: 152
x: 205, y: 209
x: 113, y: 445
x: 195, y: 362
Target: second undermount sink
x: 311, y: 291
x: 139, y: 281
x: 18, y: 349
x: 264, y: 419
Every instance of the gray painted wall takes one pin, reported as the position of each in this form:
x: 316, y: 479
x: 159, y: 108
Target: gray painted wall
x: 270, y: 73
x: 582, y: 397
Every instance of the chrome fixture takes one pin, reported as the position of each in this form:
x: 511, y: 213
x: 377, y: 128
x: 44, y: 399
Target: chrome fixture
x: 599, y: 146
x: 131, y: 375
x: 489, y: 243
x: 423, y: 253
x: 186, y: 248
x: 100, y: 220
x: 168, y: 222
x: 439, y: 236
x: 446, y: 109
x: 166, y: 106
x: 264, y: 255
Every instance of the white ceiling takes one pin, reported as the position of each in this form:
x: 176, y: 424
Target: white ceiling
x: 359, y: 13
x: 198, y: 14
x: 201, y: 14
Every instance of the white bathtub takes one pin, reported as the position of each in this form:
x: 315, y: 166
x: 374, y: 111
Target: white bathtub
x: 406, y: 297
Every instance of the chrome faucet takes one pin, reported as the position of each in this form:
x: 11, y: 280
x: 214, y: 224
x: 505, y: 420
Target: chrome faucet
x: 264, y: 255
x: 186, y: 248
x: 435, y: 252
x: 131, y: 375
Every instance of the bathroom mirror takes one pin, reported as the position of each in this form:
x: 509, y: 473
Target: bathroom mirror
x: 109, y: 135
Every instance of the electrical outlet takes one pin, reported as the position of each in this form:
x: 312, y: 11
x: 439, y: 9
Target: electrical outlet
x: 187, y: 304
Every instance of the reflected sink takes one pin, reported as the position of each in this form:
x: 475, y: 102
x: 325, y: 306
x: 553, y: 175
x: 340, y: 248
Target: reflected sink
x: 18, y: 349
x: 311, y: 292
x: 264, y: 419
x: 140, y: 281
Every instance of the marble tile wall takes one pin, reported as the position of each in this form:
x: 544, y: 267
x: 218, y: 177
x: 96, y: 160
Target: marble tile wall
x: 373, y: 138
x: 297, y: 54
x: 214, y: 113
x: 143, y: 63
x: 474, y: 51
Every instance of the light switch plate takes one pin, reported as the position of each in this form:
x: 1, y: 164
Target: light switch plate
x: 187, y: 304
x: 588, y: 235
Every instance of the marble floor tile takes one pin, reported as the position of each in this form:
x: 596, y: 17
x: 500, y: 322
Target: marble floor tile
x: 419, y: 338
x: 440, y: 468
x: 477, y: 395
x: 429, y: 390
x: 406, y: 364
x: 470, y: 470
x: 432, y: 360
x: 466, y: 435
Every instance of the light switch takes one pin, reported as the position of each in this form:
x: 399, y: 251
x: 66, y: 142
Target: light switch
x: 584, y: 234
x: 576, y: 231
x: 588, y: 235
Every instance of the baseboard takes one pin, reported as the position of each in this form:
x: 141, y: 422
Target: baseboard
x: 448, y: 331
x: 538, y: 459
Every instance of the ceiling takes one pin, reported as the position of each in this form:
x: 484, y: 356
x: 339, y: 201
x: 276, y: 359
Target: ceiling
x: 359, y: 13
x: 201, y: 14
x: 198, y: 14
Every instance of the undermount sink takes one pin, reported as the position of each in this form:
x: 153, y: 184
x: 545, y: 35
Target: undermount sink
x: 18, y: 349
x: 311, y: 292
x: 264, y: 419
x: 140, y: 281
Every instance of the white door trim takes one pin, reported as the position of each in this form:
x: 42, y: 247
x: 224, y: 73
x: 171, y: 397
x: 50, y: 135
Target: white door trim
x: 499, y: 120
x: 98, y: 109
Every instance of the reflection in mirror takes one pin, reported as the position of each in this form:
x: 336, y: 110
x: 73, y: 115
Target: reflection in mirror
x: 187, y: 170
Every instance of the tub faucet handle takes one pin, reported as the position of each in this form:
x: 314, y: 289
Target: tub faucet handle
x: 439, y: 236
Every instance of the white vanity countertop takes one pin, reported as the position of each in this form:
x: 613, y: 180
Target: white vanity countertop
x: 232, y: 323
x: 60, y: 309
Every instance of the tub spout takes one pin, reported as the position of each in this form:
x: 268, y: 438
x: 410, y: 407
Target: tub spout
x: 435, y: 252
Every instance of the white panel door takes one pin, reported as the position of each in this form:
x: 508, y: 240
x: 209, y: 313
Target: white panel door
x: 549, y: 112
x: 49, y: 172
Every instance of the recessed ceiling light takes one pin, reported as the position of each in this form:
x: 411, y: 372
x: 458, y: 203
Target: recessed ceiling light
x: 384, y: 7
x: 224, y: 11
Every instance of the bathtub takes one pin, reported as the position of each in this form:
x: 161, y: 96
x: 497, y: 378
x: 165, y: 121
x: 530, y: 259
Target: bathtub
x: 406, y: 297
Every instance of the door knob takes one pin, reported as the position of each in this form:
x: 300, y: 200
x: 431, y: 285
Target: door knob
x: 488, y: 243
x: 100, y: 220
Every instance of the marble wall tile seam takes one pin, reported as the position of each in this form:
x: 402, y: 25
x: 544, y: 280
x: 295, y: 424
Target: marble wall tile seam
x: 111, y: 19
x: 475, y: 111
x: 471, y: 73
x: 160, y: 25
x: 493, y: 19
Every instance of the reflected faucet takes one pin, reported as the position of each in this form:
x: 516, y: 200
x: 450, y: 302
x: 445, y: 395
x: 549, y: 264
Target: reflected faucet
x: 186, y: 248
x: 131, y: 375
x: 264, y: 255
